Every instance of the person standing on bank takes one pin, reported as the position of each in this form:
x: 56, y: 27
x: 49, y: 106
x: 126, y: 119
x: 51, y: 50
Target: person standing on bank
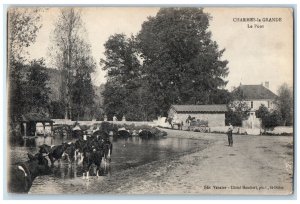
x: 229, y: 134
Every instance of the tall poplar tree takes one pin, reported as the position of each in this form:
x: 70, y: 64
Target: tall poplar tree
x: 71, y: 54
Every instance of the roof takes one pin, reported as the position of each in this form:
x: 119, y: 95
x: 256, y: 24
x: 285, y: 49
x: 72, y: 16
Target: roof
x: 200, y: 108
x: 35, y: 117
x: 255, y: 92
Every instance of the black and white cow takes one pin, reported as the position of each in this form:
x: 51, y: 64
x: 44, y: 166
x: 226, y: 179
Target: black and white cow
x: 92, y: 154
x: 55, y: 153
x: 23, y: 174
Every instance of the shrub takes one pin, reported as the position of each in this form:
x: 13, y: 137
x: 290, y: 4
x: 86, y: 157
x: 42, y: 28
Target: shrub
x: 268, y: 119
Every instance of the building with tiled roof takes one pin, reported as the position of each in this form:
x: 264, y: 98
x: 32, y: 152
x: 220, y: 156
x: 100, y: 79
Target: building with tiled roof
x: 200, y: 108
x: 255, y: 92
x: 213, y: 114
x: 255, y: 96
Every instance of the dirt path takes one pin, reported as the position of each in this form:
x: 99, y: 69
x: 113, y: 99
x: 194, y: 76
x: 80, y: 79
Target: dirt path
x: 254, y: 165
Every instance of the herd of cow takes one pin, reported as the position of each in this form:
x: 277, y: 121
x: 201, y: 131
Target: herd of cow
x: 86, y: 151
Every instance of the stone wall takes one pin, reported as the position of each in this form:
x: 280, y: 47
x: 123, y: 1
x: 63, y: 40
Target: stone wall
x: 92, y: 122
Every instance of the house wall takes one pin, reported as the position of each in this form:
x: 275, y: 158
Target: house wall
x: 214, y: 119
x: 253, y: 122
x: 258, y: 103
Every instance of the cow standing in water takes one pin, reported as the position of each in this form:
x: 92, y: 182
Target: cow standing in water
x: 92, y: 154
x: 70, y: 152
x: 107, y: 151
x: 55, y: 153
x: 23, y: 174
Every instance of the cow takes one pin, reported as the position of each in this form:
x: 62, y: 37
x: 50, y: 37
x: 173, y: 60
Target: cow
x: 107, y: 149
x: 92, y: 154
x: 82, y: 146
x: 55, y: 153
x: 70, y: 152
x: 23, y: 174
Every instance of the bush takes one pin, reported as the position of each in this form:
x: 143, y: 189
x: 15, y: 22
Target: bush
x: 15, y: 136
x: 62, y: 130
x: 268, y: 119
x: 235, y: 118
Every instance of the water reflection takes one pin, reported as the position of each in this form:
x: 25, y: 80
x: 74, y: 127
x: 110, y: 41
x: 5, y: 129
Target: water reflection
x: 127, y: 153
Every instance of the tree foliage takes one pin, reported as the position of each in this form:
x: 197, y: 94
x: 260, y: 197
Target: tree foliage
x: 16, y: 90
x: 82, y: 91
x: 36, y: 91
x: 23, y: 26
x: 56, y: 109
x: 262, y: 111
x: 284, y: 104
x: 124, y: 90
x: 172, y: 60
x: 238, y: 109
x: 181, y: 63
x: 268, y: 119
x: 71, y: 54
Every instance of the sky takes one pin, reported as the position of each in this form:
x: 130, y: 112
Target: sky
x: 255, y: 55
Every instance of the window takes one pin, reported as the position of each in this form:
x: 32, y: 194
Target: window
x: 251, y: 104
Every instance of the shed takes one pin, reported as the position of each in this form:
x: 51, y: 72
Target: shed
x: 213, y: 114
x: 30, y: 121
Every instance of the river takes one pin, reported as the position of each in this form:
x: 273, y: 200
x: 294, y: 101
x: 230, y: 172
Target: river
x: 127, y: 154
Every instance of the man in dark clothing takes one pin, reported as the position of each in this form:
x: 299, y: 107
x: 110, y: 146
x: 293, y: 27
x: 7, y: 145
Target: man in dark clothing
x: 229, y: 133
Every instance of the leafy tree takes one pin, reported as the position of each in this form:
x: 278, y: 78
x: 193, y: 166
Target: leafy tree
x: 284, y: 104
x: 83, y: 92
x: 262, y: 111
x: 16, y: 91
x: 70, y: 52
x: 181, y: 64
x: 56, y: 109
x: 220, y: 96
x: 235, y: 118
x: 268, y: 119
x: 23, y: 26
x: 36, y: 91
x: 121, y: 61
x: 238, y: 109
x: 171, y: 61
x: 67, y: 30
x: 123, y: 94
x: 273, y: 120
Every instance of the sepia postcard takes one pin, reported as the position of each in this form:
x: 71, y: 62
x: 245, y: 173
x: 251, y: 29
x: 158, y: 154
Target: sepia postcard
x: 150, y: 101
